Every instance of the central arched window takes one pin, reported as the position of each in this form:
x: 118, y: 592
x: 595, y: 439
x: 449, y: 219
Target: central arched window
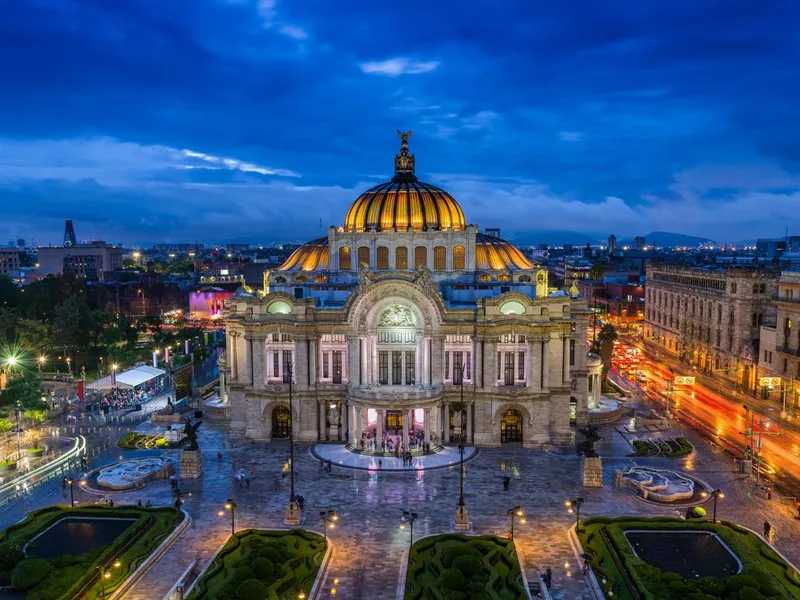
x: 440, y: 258
x: 420, y: 257
x: 301, y: 279
x: 383, y: 258
x: 344, y: 258
x: 458, y: 258
x: 363, y: 256
x: 401, y: 258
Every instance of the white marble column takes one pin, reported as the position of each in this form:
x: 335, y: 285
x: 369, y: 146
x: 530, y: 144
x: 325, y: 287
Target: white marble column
x: 536, y: 365
x: 248, y: 360
x: 446, y: 423
x: 470, y: 435
x: 565, y: 356
x: 312, y: 361
x: 259, y: 361
x: 359, y: 425
x: 546, y: 365
x: 405, y: 429
x: 223, y: 397
x: 596, y: 390
x: 426, y: 364
x: 353, y: 361
x: 322, y: 408
x: 379, y: 428
x: 426, y: 424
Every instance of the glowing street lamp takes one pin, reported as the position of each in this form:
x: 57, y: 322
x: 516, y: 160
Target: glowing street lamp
x: 40, y: 361
x: 329, y: 518
x: 105, y: 573
x: 514, y: 513
x: 409, y: 517
x: 231, y: 506
x: 715, y: 494
x: 577, y: 503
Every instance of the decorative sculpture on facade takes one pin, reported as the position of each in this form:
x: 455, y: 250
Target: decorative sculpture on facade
x: 396, y: 315
x: 333, y: 415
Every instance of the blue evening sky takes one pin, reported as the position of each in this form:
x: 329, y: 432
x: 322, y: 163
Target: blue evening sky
x: 150, y: 120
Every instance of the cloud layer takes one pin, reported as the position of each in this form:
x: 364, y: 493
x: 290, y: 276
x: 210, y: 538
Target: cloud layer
x: 215, y: 119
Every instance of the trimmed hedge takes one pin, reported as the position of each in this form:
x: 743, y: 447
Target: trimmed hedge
x: 460, y: 567
x: 75, y: 575
x: 140, y: 441
x: 280, y: 562
x: 669, y: 448
x: 763, y: 570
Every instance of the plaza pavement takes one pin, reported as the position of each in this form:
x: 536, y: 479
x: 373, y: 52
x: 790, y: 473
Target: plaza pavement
x: 368, y: 542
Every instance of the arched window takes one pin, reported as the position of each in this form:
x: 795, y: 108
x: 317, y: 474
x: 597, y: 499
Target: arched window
x: 525, y: 279
x: 363, y: 256
x: 280, y: 280
x: 319, y: 279
x: 503, y: 277
x: 458, y: 258
x: 383, y: 258
x: 344, y: 258
x: 485, y: 277
x: 420, y: 257
x: 401, y: 258
x: 301, y: 279
x: 439, y: 258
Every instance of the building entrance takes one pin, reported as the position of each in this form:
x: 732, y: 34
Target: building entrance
x: 511, y: 427
x: 281, y: 422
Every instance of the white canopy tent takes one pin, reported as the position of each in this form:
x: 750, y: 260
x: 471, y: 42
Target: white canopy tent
x: 129, y: 379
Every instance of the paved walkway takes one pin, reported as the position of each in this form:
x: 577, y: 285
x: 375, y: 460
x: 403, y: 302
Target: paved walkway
x: 368, y: 542
x: 342, y: 457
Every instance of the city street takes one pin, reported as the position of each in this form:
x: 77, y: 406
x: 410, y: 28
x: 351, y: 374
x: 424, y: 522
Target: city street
x: 722, y: 418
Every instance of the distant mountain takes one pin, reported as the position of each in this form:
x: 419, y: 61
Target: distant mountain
x: 666, y: 238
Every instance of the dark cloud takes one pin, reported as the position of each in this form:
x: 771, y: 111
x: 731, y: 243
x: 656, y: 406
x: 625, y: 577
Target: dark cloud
x: 590, y: 100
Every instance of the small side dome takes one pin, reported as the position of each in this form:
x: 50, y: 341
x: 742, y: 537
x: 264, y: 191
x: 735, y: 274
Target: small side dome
x: 492, y: 253
x: 311, y: 256
x: 241, y: 292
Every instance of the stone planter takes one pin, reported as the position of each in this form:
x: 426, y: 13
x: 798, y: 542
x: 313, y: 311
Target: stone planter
x: 35, y: 452
x: 8, y: 466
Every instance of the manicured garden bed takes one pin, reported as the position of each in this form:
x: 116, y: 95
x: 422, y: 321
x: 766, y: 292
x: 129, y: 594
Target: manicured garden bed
x: 67, y: 576
x: 460, y: 567
x: 764, y: 574
x: 257, y: 564
x: 140, y: 441
x: 668, y: 448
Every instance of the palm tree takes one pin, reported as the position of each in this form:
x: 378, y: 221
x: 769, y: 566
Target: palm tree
x: 596, y: 272
x: 606, y: 337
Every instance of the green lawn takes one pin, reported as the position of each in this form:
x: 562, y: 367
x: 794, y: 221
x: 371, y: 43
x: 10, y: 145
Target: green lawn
x: 63, y: 577
x: 139, y: 441
x: 764, y: 573
x: 258, y: 564
x: 460, y: 567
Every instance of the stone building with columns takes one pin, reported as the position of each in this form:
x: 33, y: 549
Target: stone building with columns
x: 406, y: 322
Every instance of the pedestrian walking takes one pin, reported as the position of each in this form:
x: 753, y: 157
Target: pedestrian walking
x: 548, y: 578
x: 380, y: 466
x: 506, y: 483
x: 148, y: 504
x: 247, y: 481
x: 767, y: 529
x: 139, y: 503
x: 769, y: 493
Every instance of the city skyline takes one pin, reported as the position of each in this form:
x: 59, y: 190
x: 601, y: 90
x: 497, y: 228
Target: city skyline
x: 259, y: 120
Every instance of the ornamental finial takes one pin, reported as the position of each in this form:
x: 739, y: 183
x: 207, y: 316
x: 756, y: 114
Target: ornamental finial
x: 404, y: 162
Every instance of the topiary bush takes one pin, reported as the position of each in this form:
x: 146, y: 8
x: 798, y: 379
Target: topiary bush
x: 453, y: 551
x: 272, y: 553
x: 677, y: 587
x: 452, y: 579
x: 10, y: 555
x: 263, y: 568
x: 711, y: 586
x: 747, y: 593
x: 734, y: 583
x: 251, y: 589
x: 468, y: 564
x: 243, y: 573
x: 29, y: 572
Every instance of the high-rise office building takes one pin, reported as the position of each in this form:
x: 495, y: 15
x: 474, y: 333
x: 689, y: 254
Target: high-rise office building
x: 69, y: 235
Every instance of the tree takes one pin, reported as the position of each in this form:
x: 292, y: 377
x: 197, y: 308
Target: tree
x: 23, y: 390
x: 9, y: 293
x: 597, y: 272
x: 606, y: 337
x: 73, y: 323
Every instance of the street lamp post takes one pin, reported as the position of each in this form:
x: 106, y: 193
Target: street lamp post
x: 329, y: 518
x: 409, y: 517
x: 230, y: 505
x: 292, y: 515
x: 461, y: 520
x: 717, y: 493
x: 105, y: 573
x: 577, y: 503
x: 71, y: 484
x: 513, y: 513
x: 17, y: 410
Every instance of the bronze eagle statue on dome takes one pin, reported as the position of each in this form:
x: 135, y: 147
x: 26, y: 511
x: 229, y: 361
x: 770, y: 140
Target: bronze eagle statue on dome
x: 404, y: 136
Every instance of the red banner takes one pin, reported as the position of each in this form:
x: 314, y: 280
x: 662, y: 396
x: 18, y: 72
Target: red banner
x: 80, y: 389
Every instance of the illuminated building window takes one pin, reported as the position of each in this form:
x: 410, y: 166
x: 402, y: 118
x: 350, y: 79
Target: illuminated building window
x: 458, y: 258
x: 420, y: 257
x: 383, y: 258
x: 440, y: 258
x: 344, y: 258
x: 319, y: 279
x: 503, y: 277
x: 401, y: 258
x: 301, y: 279
x: 485, y: 277
x: 363, y: 257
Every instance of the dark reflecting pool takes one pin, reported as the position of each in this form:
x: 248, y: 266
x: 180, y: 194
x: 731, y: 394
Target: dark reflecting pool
x: 76, y: 536
x: 691, y: 554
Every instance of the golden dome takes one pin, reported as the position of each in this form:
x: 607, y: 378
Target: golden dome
x: 311, y: 256
x: 404, y: 202
x: 492, y: 253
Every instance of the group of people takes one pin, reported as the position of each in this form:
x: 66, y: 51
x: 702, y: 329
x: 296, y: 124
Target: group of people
x: 117, y: 398
x: 416, y: 441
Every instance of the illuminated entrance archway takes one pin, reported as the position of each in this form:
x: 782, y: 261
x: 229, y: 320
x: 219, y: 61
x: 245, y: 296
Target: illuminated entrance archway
x: 281, y: 422
x: 511, y: 427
